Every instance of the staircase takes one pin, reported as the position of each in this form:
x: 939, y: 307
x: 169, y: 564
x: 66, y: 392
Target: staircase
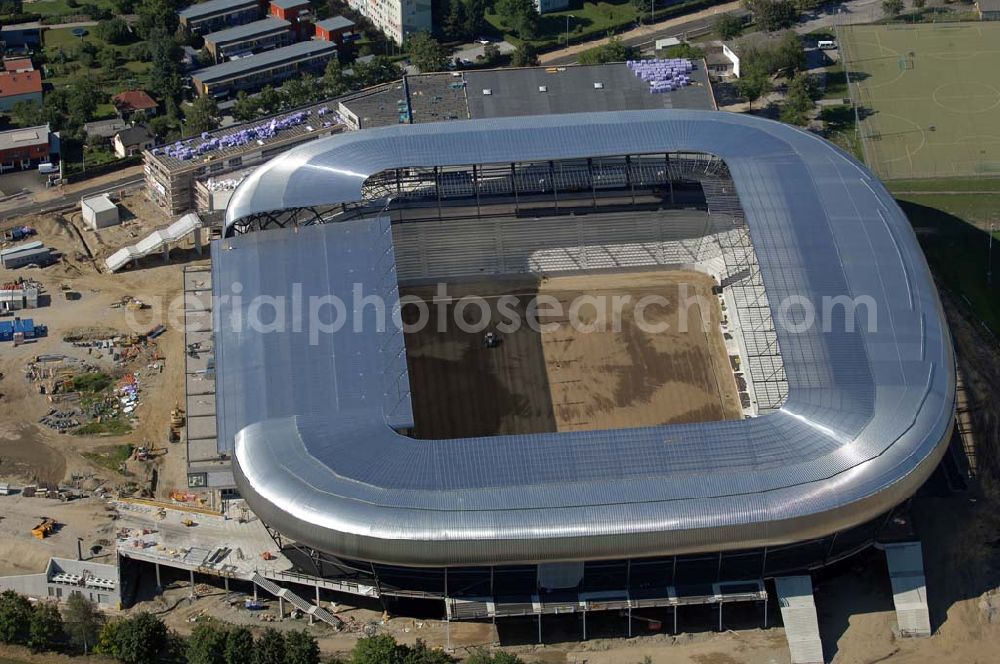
x: 302, y: 605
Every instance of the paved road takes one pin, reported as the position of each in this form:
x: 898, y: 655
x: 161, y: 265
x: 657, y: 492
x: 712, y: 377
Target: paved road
x: 128, y: 182
x: 846, y: 13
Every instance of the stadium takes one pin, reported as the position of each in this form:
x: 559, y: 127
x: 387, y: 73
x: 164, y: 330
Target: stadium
x: 541, y: 472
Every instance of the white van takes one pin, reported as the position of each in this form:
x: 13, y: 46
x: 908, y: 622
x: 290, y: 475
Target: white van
x: 826, y: 44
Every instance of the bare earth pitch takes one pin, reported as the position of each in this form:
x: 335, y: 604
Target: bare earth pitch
x: 565, y: 377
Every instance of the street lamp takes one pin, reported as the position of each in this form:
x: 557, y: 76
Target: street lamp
x: 568, y: 17
x: 652, y: 13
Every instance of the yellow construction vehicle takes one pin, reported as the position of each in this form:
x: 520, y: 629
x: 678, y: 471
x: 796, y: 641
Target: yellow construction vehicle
x: 43, y: 529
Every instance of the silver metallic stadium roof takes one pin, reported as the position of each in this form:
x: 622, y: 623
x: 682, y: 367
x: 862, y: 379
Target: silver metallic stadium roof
x: 866, y: 420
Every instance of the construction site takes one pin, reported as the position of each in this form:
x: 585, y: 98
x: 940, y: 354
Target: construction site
x: 116, y: 480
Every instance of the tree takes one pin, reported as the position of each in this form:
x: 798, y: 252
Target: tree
x: 799, y: 100
x: 335, y: 82
x: 426, y: 53
x: 892, y: 7
x: 753, y: 85
x: 165, y: 75
x: 684, y: 51
x: 614, y: 51
x: 268, y: 100
x: 245, y: 108
x: 46, y: 629
x: 419, y: 653
x: 15, y: 618
x: 156, y: 16
x: 26, y: 113
x: 297, y: 92
x: 772, y: 15
x: 484, y: 656
x: 301, y: 648
x: 207, y: 644
x: 82, y: 622
x: 81, y: 104
x: 524, y: 55
x: 475, y: 17
x: 378, y: 649
x: 379, y: 69
x: 728, y: 26
x: 919, y: 4
x: 239, y: 646
x: 520, y: 16
x: 140, y: 639
x: 491, y: 54
x: 114, y: 31
x: 203, y: 115
x: 456, y: 23
x: 270, y: 648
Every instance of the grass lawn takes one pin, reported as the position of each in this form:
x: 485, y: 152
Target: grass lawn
x: 932, y: 92
x: 950, y: 184
x: 111, y: 458
x: 61, y: 8
x: 840, y: 129
x: 64, y: 37
x: 587, y: 18
x: 958, y: 251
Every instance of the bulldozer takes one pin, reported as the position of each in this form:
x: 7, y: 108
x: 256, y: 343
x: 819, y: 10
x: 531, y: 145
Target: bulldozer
x: 44, y: 528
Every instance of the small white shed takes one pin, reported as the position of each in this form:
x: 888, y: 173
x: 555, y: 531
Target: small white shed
x: 99, y: 212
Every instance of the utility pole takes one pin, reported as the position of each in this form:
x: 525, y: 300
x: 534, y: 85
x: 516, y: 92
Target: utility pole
x: 989, y: 257
x: 568, y: 17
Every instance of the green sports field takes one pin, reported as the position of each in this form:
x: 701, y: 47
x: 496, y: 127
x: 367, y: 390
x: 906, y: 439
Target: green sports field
x: 929, y: 97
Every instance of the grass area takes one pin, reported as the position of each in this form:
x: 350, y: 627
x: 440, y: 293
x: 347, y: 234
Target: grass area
x: 948, y: 184
x: 64, y: 38
x: 958, y: 251
x: 930, y: 93
x: 836, y: 83
x: 61, y: 7
x: 588, y: 20
x: 92, y: 382
x: 112, y: 427
x: 112, y: 457
x: 840, y: 129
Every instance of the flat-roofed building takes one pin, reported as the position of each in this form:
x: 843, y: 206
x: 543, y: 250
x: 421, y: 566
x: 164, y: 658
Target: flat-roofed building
x: 296, y: 12
x: 338, y: 29
x: 989, y: 10
x: 214, y: 15
x: 263, y: 35
x: 254, y: 72
x: 23, y: 148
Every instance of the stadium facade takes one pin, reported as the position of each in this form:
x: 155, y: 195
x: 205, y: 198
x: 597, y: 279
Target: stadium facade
x: 850, y: 417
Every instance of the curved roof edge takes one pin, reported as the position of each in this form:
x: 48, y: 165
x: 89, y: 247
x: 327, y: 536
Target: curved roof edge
x: 868, y: 415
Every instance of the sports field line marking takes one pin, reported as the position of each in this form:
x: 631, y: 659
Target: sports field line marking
x: 995, y: 95
x: 909, y: 155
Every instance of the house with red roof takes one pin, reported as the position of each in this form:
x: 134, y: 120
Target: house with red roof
x: 130, y: 102
x: 19, y: 82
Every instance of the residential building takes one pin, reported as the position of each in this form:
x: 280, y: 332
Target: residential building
x: 215, y: 15
x: 989, y: 10
x: 132, y: 140
x: 263, y: 35
x: 21, y: 36
x: 130, y: 102
x: 19, y: 85
x: 337, y: 29
x: 397, y: 19
x: 296, y: 12
x: 24, y: 148
x: 251, y: 73
x: 104, y: 128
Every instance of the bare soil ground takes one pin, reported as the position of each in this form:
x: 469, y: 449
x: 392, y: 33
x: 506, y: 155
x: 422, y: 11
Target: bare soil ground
x: 583, y: 368
x: 30, y: 452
